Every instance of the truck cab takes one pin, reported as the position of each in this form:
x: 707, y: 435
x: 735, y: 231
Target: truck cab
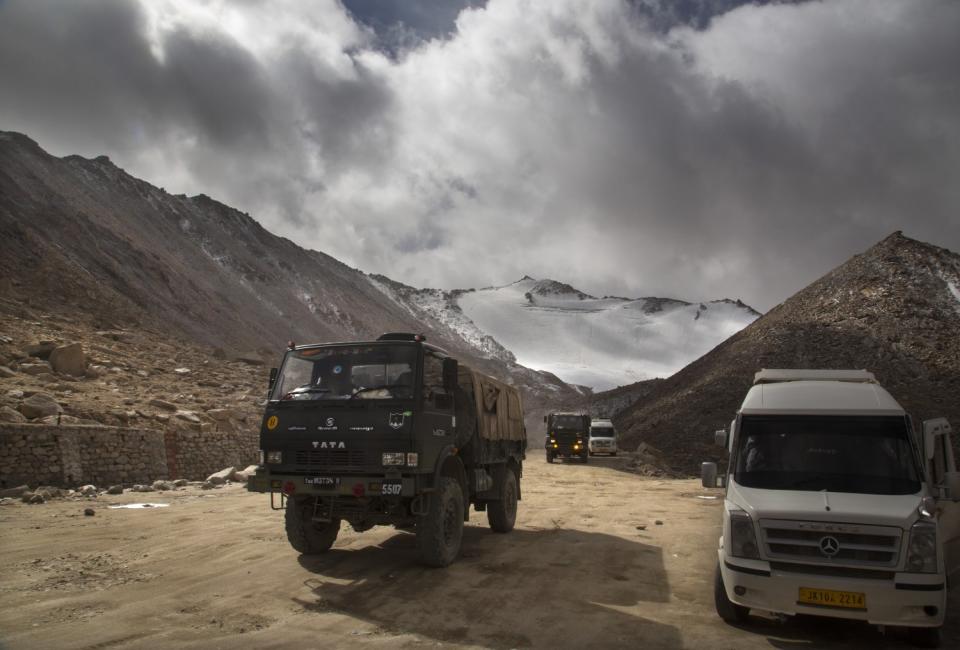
x: 836, y: 505
x: 388, y: 432
x: 567, y: 436
x: 603, y: 437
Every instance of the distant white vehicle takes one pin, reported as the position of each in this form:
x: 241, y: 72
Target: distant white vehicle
x: 603, y: 438
x: 836, y: 505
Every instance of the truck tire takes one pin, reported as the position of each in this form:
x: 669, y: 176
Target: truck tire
x: 305, y: 535
x: 502, y: 514
x: 924, y: 637
x: 729, y: 611
x: 549, y: 457
x: 440, y: 531
x: 584, y: 459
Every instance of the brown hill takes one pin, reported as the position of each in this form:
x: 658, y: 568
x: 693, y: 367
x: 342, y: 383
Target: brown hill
x: 83, y: 238
x: 894, y: 310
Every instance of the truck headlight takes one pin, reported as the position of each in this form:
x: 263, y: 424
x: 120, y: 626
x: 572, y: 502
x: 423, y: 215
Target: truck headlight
x: 743, y: 537
x: 413, y: 459
x: 922, y: 552
x: 275, y: 457
x: 393, y: 458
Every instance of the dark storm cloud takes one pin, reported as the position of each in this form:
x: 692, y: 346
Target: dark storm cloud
x: 687, y: 148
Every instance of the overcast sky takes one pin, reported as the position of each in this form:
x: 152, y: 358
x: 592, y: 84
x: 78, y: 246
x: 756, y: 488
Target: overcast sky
x: 696, y: 149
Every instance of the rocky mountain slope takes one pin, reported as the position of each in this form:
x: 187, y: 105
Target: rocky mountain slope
x: 81, y: 237
x: 894, y: 310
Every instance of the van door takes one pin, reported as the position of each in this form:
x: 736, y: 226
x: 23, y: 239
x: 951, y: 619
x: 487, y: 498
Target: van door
x: 940, y: 465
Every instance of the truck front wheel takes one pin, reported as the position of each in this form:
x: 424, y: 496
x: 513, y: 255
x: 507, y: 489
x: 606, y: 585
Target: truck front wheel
x: 502, y: 514
x: 304, y: 534
x: 728, y: 610
x: 440, y: 531
x: 549, y: 457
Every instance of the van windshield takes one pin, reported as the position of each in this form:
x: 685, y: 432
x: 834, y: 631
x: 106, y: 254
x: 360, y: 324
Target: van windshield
x: 601, y: 432
x: 864, y: 455
x: 347, y: 372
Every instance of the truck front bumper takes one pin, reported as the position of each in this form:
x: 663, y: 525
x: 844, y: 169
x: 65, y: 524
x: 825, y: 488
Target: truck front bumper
x: 908, y: 599
x: 351, y: 485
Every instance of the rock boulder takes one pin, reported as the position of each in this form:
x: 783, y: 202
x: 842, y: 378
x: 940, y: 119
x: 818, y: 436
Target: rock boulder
x: 40, y: 405
x: 69, y: 360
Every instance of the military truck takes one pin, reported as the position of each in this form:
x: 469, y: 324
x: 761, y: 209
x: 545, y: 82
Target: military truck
x: 389, y: 432
x: 567, y: 436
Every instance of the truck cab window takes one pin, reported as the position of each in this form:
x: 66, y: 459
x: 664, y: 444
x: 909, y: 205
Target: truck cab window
x: 433, y: 392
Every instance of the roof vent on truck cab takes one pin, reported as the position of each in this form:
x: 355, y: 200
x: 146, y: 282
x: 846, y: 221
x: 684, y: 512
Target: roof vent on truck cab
x: 775, y: 375
x: 401, y: 336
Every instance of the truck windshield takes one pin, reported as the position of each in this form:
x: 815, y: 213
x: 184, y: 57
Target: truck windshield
x: 347, y: 372
x: 864, y: 455
x: 567, y: 422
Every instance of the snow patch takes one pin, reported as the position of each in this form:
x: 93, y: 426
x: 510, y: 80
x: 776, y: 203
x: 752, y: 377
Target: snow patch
x: 953, y: 289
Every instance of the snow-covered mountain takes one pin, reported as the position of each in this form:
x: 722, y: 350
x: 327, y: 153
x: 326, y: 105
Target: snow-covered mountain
x: 600, y: 342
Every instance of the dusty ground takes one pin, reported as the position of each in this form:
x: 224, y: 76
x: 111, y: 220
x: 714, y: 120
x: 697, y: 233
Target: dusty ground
x: 587, y: 567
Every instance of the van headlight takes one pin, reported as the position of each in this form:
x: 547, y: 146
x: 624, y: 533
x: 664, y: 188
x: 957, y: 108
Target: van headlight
x: 743, y: 537
x: 922, y: 552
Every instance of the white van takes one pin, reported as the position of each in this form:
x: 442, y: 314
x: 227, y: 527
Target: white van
x: 603, y: 438
x: 835, y: 506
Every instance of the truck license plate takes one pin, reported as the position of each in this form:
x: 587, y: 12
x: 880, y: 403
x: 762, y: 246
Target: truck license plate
x: 830, y: 598
x: 391, y: 488
x: 322, y: 481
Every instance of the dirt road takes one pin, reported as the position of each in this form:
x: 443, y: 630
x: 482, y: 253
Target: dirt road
x: 587, y: 567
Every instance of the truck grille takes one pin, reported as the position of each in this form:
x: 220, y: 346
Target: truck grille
x: 873, y: 546
x: 331, y: 458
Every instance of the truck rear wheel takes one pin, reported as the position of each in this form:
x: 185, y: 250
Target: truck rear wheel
x: 305, y: 535
x: 440, y: 531
x: 729, y: 611
x: 502, y: 514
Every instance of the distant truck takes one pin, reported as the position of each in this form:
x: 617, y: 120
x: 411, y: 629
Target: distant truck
x: 389, y: 432
x: 836, y: 505
x: 567, y: 436
x: 603, y: 437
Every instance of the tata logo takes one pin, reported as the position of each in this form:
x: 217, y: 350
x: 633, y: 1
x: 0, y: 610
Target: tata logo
x: 829, y: 546
x: 324, y: 444
x: 396, y: 420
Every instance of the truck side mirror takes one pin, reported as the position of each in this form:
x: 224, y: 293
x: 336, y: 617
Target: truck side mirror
x: 544, y: 419
x: 708, y: 475
x: 450, y: 372
x: 273, y: 380
x: 952, y: 481
x: 720, y: 437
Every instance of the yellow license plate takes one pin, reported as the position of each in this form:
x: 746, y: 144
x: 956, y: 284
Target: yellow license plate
x: 830, y: 598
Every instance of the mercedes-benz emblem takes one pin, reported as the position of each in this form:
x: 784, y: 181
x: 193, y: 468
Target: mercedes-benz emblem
x: 829, y: 546
x: 331, y: 422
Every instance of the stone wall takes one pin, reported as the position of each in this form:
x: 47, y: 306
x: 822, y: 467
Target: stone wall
x: 71, y: 455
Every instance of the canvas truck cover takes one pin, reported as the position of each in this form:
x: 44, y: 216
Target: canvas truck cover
x: 499, y: 408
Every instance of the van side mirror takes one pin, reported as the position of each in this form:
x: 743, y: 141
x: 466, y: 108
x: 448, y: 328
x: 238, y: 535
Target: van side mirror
x: 720, y: 437
x: 450, y: 372
x: 273, y: 380
x: 952, y: 481
x: 708, y: 475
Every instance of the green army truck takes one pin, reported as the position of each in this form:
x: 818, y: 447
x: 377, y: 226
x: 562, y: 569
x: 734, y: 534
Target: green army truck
x: 389, y: 432
x: 567, y: 436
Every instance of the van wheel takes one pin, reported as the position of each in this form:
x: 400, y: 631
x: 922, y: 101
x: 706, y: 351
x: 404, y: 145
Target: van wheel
x: 305, y: 535
x: 924, y: 637
x: 614, y: 454
x: 440, y: 531
x: 502, y: 514
x: 729, y: 611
